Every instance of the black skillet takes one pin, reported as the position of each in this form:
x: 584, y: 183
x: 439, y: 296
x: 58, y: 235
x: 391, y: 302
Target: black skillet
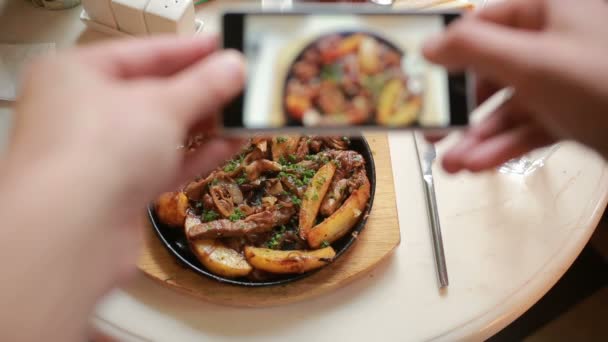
x: 175, y: 240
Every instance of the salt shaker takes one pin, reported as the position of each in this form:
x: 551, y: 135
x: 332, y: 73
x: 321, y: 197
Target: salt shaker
x: 129, y: 15
x: 170, y: 16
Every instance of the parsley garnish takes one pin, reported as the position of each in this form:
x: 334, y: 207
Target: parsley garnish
x: 325, y: 244
x: 298, y: 182
x: 315, y: 197
x: 295, y: 200
x: 281, y: 140
x: 236, y: 215
x: 209, y: 215
x: 241, y: 180
x: 308, y: 173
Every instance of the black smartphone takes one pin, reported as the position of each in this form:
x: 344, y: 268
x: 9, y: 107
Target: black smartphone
x: 342, y: 71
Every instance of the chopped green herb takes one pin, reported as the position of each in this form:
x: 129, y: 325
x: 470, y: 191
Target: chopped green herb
x: 292, y: 158
x: 298, y: 182
x: 308, y: 173
x: 231, y: 166
x: 198, y: 205
x: 215, y: 181
x: 325, y: 244
x: 311, y: 157
x: 236, y: 215
x: 321, y: 181
x: 331, y: 72
x: 315, y: 197
x: 282, y: 160
x: 209, y: 215
x: 241, y: 180
x: 295, y: 200
x: 281, y: 140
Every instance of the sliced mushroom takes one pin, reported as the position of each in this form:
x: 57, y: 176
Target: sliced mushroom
x: 255, y: 169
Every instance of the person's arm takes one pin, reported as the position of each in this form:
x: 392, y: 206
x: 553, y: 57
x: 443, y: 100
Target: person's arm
x: 552, y: 52
x: 95, y: 138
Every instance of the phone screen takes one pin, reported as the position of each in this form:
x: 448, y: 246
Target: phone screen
x: 342, y: 70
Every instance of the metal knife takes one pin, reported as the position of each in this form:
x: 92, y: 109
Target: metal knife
x: 426, y: 157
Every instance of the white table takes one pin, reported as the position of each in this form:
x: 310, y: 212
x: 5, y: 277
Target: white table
x: 508, y: 240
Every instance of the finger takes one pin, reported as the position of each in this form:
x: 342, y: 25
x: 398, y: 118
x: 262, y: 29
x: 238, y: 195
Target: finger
x: 208, y: 157
x: 434, y: 137
x: 205, y: 88
x: 499, y: 54
x: 503, y: 119
x: 484, y: 89
x: 523, y: 14
x: 453, y: 160
x: 506, y: 146
x: 158, y: 57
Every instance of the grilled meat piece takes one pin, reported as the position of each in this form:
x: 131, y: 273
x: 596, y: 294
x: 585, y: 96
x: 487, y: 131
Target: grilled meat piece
x: 255, y: 169
x: 258, y: 223
x: 336, y: 143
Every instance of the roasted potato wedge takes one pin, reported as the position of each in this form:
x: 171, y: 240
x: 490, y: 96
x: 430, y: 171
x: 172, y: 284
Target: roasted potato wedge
x: 286, y: 262
x: 219, y: 259
x: 283, y: 146
x: 341, y: 221
x: 369, y: 55
x: 406, y: 114
x: 387, y: 102
x: 314, y: 196
x: 171, y: 208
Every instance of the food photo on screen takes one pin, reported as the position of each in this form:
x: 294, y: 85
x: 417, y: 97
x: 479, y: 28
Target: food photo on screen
x: 333, y: 70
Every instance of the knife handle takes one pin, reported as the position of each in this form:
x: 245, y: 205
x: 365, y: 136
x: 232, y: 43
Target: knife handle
x: 442, y: 271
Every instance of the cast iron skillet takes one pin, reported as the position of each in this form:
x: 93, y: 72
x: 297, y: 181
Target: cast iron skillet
x: 175, y: 239
x: 298, y: 123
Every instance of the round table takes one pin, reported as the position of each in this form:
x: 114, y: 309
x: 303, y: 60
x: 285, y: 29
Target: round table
x: 508, y: 239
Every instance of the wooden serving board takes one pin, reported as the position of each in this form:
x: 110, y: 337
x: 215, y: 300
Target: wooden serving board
x: 376, y: 241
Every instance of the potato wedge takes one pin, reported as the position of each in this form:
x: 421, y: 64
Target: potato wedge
x: 406, y: 114
x: 314, y: 196
x: 171, y: 208
x: 219, y: 259
x: 286, y: 262
x: 388, y: 99
x: 341, y: 221
x: 369, y: 55
x: 283, y: 146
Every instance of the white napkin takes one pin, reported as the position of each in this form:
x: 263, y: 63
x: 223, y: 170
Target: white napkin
x: 13, y: 57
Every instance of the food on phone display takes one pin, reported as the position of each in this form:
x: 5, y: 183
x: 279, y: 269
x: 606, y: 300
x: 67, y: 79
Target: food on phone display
x: 351, y: 79
x: 275, y: 208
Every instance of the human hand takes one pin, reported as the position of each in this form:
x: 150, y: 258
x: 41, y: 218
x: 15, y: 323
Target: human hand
x: 95, y: 138
x: 552, y: 53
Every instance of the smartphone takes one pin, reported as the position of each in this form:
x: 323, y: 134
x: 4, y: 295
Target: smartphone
x: 342, y: 71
